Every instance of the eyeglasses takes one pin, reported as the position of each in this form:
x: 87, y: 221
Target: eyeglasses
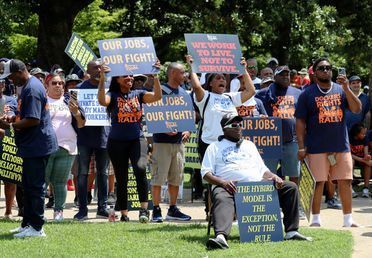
x: 57, y: 83
x: 234, y: 125
x: 252, y: 66
x: 323, y: 68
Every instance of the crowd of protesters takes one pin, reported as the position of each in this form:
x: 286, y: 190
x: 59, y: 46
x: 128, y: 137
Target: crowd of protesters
x: 51, y: 135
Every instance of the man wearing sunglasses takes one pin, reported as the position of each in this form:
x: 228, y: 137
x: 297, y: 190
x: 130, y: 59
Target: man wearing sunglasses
x: 322, y: 135
x: 232, y: 160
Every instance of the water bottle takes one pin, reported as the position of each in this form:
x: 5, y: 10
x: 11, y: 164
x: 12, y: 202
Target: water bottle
x: 111, y: 216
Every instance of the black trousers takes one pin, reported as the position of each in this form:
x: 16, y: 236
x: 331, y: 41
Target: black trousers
x: 223, y: 208
x: 120, y: 152
x: 33, y: 180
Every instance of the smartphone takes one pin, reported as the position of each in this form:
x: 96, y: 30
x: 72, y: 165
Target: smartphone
x: 73, y: 94
x: 332, y: 159
x: 341, y: 71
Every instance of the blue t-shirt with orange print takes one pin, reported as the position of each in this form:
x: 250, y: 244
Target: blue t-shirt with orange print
x: 324, y: 115
x: 126, y: 115
x: 39, y: 140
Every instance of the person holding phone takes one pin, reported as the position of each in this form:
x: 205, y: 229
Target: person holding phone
x: 66, y: 117
x: 323, y: 138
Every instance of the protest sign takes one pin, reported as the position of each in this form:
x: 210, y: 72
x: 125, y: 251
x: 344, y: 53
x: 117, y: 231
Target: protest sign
x: 128, y: 56
x: 306, y: 188
x: 215, y: 53
x: 95, y: 114
x: 173, y: 113
x: 79, y: 52
x: 266, y: 134
x: 133, y: 198
x: 258, y: 213
x: 10, y: 164
x: 191, y: 152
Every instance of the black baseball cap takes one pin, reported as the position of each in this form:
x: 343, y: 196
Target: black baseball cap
x: 12, y: 66
x: 229, y: 119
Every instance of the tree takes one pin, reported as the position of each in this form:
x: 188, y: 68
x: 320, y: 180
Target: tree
x: 56, y: 19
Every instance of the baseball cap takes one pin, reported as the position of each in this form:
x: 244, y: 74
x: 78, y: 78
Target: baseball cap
x: 272, y: 59
x: 229, y: 119
x: 281, y: 69
x: 12, y: 66
x: 267, y: 79
x: 37, y: 70
x: 140, y: 77
x: 303, y: 71
x: 354, y: 78
x: 72, y: 77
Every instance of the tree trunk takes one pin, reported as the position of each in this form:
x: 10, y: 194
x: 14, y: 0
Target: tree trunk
x: 56, y: 19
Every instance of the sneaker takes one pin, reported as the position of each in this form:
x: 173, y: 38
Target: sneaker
x: 156, y: 215
x: 144, y: 215
x: 30, y: 232
x: 333, y: 204
x: 76, y: 202
x: 354, y: 194
x: 89, y: 197
x: 111, y: 199
x: 50, y: 203
x: 102, y: 214
x: 124, y: 218
x: 58, y: 216
x: 176, y: 214
x: 294, y: 235
x: 18, y: 230
x: 80, y: 216
x: 216, y: 243
x: 365, y: 193
x: 301, y: 214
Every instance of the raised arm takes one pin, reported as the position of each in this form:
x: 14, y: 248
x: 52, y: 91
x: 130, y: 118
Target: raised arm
x: 150, y: 97
x: 247, y: 83
x: 103, y: 99
x: 195, y: 83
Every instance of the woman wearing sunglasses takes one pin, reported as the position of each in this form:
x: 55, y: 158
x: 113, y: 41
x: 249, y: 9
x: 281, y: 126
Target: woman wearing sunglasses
x: 126, y: 140
x: 66, y: 118
x: 214, y: 103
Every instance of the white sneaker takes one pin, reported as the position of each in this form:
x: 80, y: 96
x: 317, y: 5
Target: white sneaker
x: 30, y: 232
x: 365, y: 193
x: 18, y: 230
x: 353, y: 193
x: 58, y: 216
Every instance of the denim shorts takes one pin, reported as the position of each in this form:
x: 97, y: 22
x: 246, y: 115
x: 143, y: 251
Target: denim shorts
x: 290, y: 166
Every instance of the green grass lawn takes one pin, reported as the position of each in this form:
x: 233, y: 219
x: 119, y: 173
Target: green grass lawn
x: 69, y: 239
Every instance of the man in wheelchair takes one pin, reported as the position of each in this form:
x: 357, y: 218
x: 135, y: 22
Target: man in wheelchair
x: 232, y: 160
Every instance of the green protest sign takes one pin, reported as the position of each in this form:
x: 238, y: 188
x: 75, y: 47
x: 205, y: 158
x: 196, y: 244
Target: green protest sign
x: 10, y: 164
x: 306, y: 188
x: 133, y: 198
x: 79, y: 52
x: 191, y: 152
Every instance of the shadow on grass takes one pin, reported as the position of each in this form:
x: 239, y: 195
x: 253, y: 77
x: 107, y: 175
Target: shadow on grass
x: 6, y: 237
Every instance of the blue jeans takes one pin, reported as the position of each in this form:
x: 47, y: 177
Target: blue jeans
x: 290, y: 166
x: 33, y: 180
x: 101, y: 157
